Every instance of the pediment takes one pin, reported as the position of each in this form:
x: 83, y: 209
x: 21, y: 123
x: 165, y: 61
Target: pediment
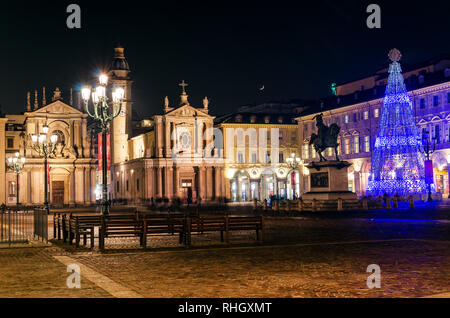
x: 422, y: 121
x: 58, y: 108
x: 188, y: 111
x: 436, y: 118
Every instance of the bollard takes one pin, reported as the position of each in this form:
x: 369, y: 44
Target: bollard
x: 388, y: 203
x: 265, y: 204
x: 395, y: 202
x: 314, y: 205
x: 380, y: 202
x: 365, y: 204
x: 411, y: 202
x: 339, y: 204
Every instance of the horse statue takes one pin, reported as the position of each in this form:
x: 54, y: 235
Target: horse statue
x: 326, y: 137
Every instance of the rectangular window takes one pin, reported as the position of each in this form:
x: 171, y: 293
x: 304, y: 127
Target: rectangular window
x: 347, y: 146
x: 355, y: 117
x: 346, y: 119
x: 137, y: 185
x: 422, y: 103
x: 12, y: 188
x: 10, y: 143
x: 376, y: 113
x: 268, y: 160
x: 437, y: 134
x: 367, y: 143
x: 313, y: 152
x: 305, y: 151
x: 435, y: 101
x: 356, y: 144
x: 281, y: 157
x: 254, y: 157
x: 448, y: 98
x: 117, y: 186
x: 127, y: 186
x: 240, y: 157
x: 330, y: 151
x: 366, y: 115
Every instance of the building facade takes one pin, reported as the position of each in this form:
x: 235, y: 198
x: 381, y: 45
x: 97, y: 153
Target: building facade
x: 357, y: 108
x: 72, y: 167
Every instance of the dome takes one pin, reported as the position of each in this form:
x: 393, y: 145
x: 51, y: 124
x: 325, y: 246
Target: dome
x: 119, y: 62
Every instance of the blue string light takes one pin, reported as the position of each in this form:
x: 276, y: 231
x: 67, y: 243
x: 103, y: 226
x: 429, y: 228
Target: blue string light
x: 397, y: 164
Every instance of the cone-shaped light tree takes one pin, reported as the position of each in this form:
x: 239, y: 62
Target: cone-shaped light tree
x: 397, y: 163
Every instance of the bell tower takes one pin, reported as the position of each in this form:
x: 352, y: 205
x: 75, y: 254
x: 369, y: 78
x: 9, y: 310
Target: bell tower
x: 121, y: 128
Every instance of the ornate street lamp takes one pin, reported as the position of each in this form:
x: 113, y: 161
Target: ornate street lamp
x: 16, y: 164
x: 293, y: 163
x: 104, y: 116
x: 45, y: 149
x: 428, y: 163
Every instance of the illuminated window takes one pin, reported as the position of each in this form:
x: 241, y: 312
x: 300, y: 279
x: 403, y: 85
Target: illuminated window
x: 346, y: 119
x: 367, y: 143
x: 254, y: 158
x: 376, y: 113
x: 347, y: 146
x: 356, y: 144
x: 305, y: 151
x: 366, y: 115
x: 186, y: 183
x: 12, y: 188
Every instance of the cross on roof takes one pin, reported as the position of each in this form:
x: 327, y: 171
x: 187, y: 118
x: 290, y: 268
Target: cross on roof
x: 183, y: 85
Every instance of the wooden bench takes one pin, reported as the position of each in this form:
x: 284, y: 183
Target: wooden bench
x: 125, y: 225
x: 162, y: 225
x: 224, y: 224
x: 83, y: 225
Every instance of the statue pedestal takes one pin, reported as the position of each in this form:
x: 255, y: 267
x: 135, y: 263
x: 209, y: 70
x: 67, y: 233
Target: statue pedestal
x: 328, y: 180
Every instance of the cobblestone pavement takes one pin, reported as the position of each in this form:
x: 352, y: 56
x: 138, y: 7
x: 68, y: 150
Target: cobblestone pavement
x: 301, y: 257
x: 33, y: 272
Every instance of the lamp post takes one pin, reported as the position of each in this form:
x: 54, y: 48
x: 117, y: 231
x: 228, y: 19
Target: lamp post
x: 16, y: 164
x: 104, y: 116
x: 293, y: 163
x: 428, y: 163
x: 45, y: 149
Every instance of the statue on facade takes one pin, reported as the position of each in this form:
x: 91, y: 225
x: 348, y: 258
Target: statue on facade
x: 325, y: 138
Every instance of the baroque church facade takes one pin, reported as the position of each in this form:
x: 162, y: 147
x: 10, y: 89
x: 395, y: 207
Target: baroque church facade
x: 72, y: 167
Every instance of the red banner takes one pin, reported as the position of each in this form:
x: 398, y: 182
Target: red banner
x: 428, y: 171
x: 100, y: 152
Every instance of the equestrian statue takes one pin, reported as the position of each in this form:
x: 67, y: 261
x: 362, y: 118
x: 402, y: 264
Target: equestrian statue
x: 326, y: 137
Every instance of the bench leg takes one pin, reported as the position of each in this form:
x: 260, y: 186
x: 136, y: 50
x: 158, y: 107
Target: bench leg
x: 221, y: 236
x: 101, y: 241
x: 59, y: 232
x: 227, y: 237
x: 54, y: 227
x: 77, y: 239
x: 92, y: 237
x: 181, y: 237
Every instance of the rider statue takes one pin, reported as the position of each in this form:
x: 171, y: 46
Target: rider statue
x: 325, y: 137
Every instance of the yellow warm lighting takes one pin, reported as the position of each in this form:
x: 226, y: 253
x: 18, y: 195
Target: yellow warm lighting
x: 103, y: 79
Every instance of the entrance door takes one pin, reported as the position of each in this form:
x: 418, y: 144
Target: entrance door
x: 58, y: 192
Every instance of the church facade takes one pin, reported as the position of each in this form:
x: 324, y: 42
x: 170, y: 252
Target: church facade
x: 72, y: 166
x: 174, y: 157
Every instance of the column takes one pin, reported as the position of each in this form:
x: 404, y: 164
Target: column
x: 93, y: 180
x: 169, y: 182
x: 209, y: 184
x: 201, y: 182
x: 159, y: 192
x: 216, y: 183
x: 72, y: 188
x: 87, y: 185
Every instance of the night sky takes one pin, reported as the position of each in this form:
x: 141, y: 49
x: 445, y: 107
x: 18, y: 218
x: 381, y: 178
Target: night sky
x: 225, y: 50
